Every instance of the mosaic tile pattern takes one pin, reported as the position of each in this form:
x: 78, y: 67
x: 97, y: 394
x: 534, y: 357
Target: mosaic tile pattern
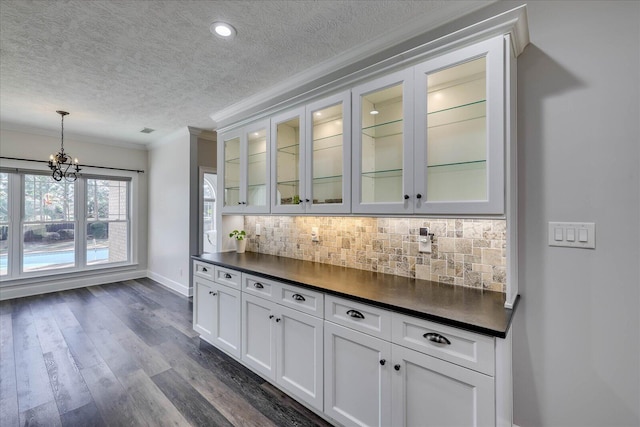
x: 465, y: 252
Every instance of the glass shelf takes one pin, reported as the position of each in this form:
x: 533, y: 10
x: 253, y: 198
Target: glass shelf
x: 324, y: 138
x: 445, y: 165
x: 457, y: 114
x: 391, y: 173
x: 233, y: 161
x: 327, y: 179
x: 290, y: 149
x: 293, y: 183
x: 383, y: 129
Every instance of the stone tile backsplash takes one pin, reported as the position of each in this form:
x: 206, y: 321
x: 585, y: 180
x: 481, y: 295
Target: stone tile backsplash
x: 465, y: 252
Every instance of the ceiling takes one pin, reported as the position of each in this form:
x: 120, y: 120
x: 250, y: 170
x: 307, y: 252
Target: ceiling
x: 121, y: 66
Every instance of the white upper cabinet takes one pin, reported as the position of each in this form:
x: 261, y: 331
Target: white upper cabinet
x: 460, y: 131
x: 431, y: 139
x: 328, y: 185
x: 311, y: 161
x: 244, y: 168
x: 383, y: 145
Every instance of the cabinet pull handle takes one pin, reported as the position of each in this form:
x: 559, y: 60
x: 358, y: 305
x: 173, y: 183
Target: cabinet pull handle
x: 298, y: 297
x: 258, y: 285
x: 227, y: 276
x: 271, y: 316
x: 278, y: 319
x: 396, y: 367
x: 406, y: 197
x: 382, y: 362
x: 204, y: 269
x: 418, y: 196
x: 355, y: 314
x: 437, y: 338
x: 307, y: 200
x: 212, y: 293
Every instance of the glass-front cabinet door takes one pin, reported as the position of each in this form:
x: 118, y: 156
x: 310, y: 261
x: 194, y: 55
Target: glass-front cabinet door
x: 383, y: 138
x: 287, y: 133
x: 459, y: 136
x: 328, y: 162
x: 245, y: 169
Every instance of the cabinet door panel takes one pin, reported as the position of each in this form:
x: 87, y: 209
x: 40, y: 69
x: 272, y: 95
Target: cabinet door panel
x: 287, y: 134
x: 232, y: 170
x: 300, y: 356
x: 257, y: 137
x: 430, y: 392
x: 227, y: 332
x: 383, y: 145
x: 258, y: 340
x: 459, y: 144
x: 357, y: 385
x: 204, y: 308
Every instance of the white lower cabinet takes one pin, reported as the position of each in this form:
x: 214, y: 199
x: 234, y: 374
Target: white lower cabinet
x: 285, y: 346
x: 357, y: 377
x: 427, y: 391
x: 363, y: 365
x: 216, y: 314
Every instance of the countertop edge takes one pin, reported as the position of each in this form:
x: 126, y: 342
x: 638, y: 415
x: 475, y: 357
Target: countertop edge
x: 497, y: 333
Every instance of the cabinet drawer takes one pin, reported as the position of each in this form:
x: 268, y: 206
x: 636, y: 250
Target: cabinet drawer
x: 258, y: 286
x: 464, y: 348
x: 301, y: 299
x: 364, y: 318
x: 204, y: 270
x: 227, y: 276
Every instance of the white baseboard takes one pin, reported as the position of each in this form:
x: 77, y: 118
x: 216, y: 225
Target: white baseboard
x: 171, y: 284
x: 40, y: 286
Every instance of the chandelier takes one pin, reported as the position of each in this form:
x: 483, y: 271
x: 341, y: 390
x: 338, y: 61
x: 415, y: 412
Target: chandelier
x: 61, y: 162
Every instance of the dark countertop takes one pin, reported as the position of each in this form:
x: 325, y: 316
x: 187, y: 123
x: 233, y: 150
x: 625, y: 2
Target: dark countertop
x: 473, y: 309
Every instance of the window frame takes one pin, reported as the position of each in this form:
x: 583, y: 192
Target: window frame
x: 16, y: 201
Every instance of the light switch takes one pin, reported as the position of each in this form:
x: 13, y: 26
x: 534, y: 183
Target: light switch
x: 583, y: 235
x: 571, y: 234
x: 559, y: 234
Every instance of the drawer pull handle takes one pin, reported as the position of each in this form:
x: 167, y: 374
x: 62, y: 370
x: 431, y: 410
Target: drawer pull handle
x: 396, y: 367
x: 204, y: 269
x: 298, y: 297
x: 278, y: 319
x: 437, y: 338
x: 212, y: 293
x: 355, y: 314
x: 382, y: 362
x: 271, y: 316
x: 227, y: 276
x: 258, y: 285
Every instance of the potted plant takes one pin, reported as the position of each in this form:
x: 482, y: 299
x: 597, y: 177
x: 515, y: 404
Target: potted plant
x: 241, y: 243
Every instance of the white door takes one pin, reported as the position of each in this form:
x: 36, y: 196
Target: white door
x: 299, y: 355
x: 204, y: 306
x: 357, y: 377
x: 226, y: 333
x: 431, y: 392
x: 208, y: 187
x: 258, y: 335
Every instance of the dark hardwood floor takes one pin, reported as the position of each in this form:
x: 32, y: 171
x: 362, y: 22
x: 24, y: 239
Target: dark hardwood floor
x: 125, y: 354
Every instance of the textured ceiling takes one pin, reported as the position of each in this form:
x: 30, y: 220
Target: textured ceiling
x: 120, y: 66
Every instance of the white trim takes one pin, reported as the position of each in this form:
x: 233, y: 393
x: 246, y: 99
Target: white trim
x: 171, y: 284
x: 64, y: 283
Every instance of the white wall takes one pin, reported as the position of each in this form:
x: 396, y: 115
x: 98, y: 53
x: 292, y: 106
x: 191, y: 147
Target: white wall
x: 577, y: 330
x: 37, y: 144
x: 169, y: 204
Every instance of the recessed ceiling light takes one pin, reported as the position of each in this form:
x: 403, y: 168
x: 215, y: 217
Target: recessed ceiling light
x: 222, y: 30
x: 318, y: 114
x: 374, y: 112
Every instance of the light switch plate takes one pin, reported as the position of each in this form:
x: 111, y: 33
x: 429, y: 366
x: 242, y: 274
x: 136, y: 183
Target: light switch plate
x: 573, y: 234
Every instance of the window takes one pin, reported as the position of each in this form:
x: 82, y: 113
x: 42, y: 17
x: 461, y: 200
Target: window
x: 107, y: 221
x: 63, y: 226
x: 4, y: 223
x: 208, y: 182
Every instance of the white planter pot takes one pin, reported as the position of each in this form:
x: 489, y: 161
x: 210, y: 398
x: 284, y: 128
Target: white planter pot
x: 240, y: 246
